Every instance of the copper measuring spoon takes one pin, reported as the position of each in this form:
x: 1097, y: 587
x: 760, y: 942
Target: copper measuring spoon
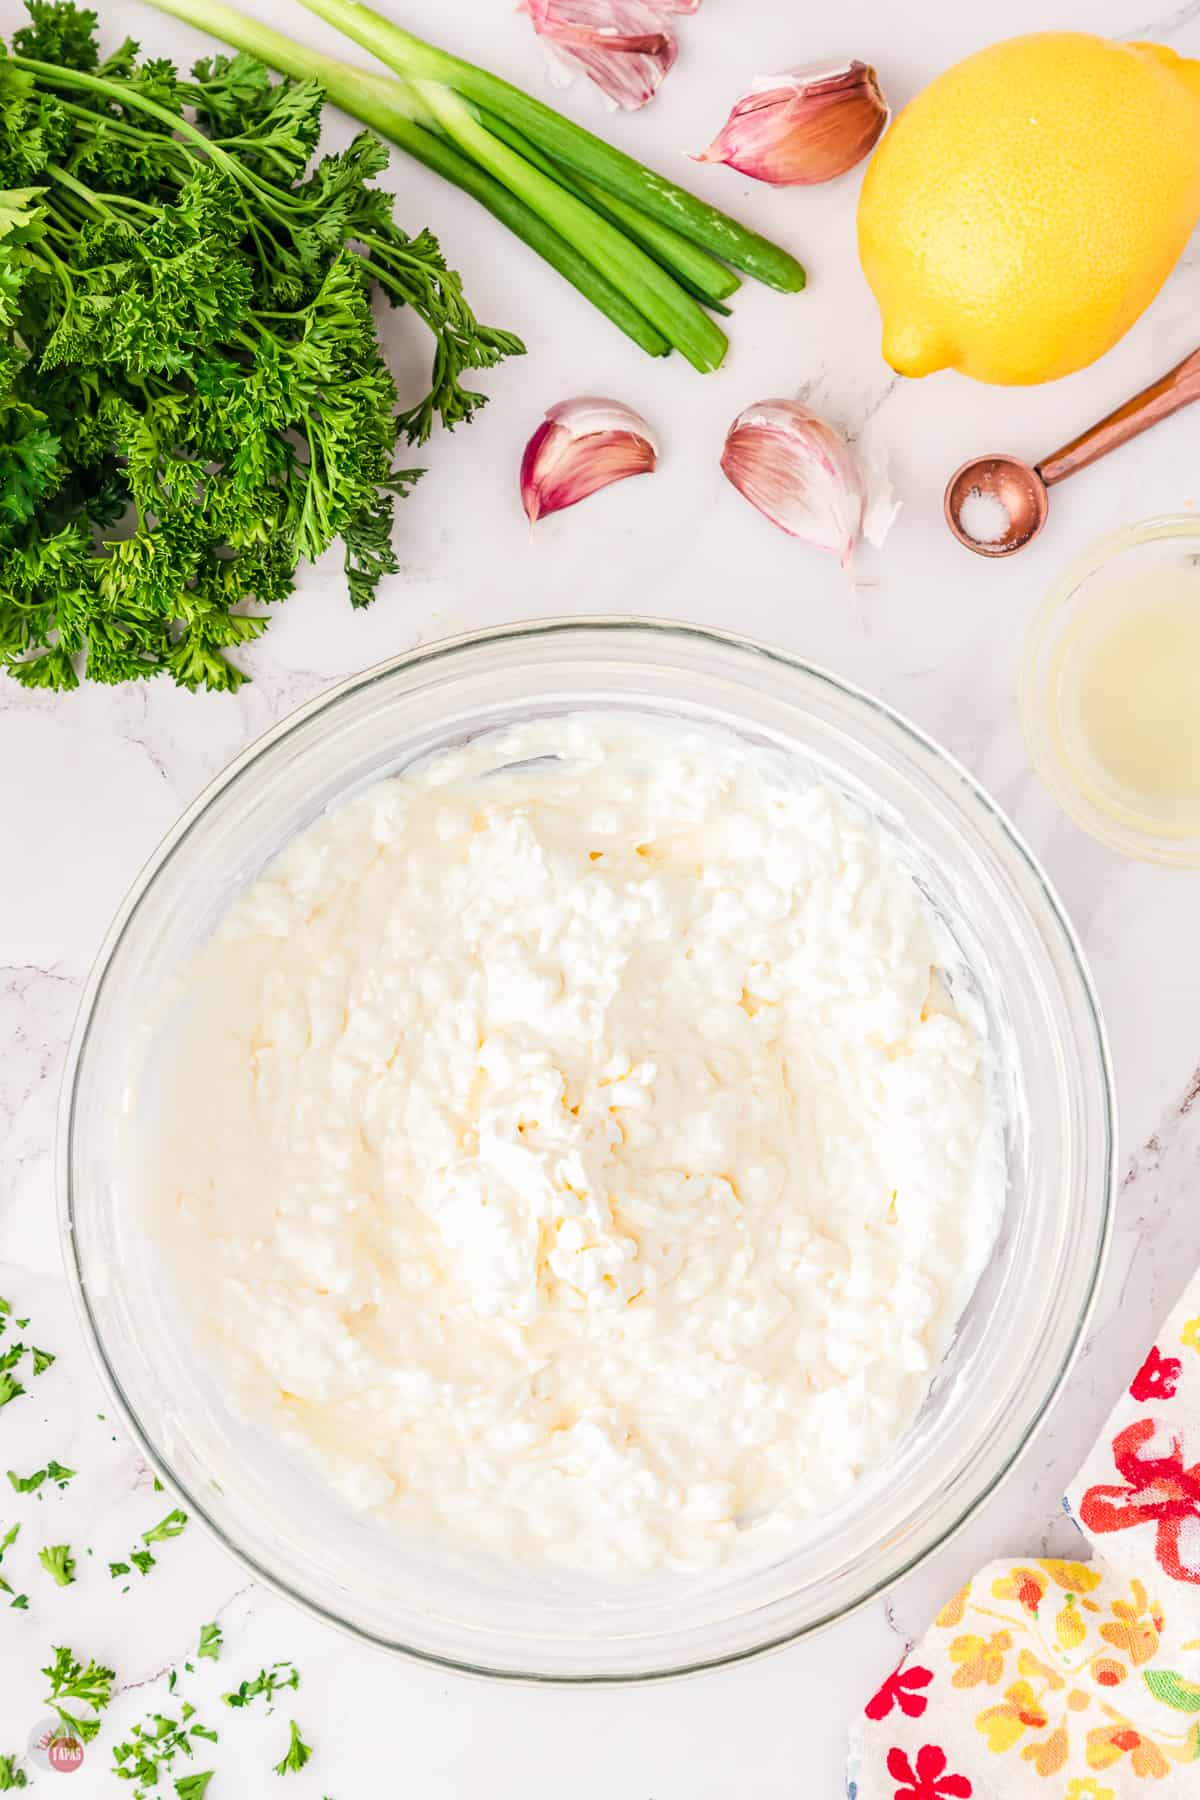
x: 1023, y: 491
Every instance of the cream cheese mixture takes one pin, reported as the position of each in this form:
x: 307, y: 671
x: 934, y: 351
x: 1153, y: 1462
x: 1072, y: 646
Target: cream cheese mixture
x: 575, y: 1149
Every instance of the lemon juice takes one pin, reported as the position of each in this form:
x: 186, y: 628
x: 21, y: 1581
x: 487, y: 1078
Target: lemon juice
x: 1128, y: 681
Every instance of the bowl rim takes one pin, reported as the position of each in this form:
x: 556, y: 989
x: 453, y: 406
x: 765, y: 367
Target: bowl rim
x: 1038, y: 706
x: 176, y: 836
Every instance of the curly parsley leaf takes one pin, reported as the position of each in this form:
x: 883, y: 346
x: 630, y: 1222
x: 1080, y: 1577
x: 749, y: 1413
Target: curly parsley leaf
x: 57, y: 33
x: 57, y: 1561
x: 296, y: 1754
x: 170, y: 1527
x: 87, y: 1684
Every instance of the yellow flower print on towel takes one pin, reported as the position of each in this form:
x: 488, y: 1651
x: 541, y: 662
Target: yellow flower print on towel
x: 1051, y: 1754
x: 1085, y: 1787
x: 1135, y: 1626
x: 1109, y: 1743
x: 1069, y: 1626
x: 1030, y: 1582
x: 952, y: 1613
x: 1004, y: 1724
x: 979, y: 1659
x: 1025, y: 1583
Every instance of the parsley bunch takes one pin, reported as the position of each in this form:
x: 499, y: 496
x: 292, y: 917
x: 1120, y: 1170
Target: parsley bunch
x: 192, y: 392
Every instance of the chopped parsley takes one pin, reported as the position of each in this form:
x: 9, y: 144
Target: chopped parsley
x: 10, y: 1387
x: 192, y: 1787
x: 21, y: 1601
x: 142, y: 1560
x: 169, y: 1527
x: 153, y: 1746
x: 267, y: 1682
x: 10, y: 1776
x: 29, y: 1484
x: 87, y: 1684
x: 57, y: 1560
x: 210, y: 1641
x: 296, y: 1754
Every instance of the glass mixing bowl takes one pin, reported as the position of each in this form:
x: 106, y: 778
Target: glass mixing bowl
x: 1015, y: 1341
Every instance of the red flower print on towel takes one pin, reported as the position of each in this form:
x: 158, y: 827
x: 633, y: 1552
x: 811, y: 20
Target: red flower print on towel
x: 1156, y: 1378
x: 1159, y: 1488
x: 897, y: 1690
x: 927, y: 1781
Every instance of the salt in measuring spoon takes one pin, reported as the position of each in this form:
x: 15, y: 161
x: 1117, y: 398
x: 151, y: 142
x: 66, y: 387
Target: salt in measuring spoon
x: 1022, y: 491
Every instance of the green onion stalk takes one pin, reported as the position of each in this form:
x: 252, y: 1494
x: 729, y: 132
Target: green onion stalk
x: 653, y: 258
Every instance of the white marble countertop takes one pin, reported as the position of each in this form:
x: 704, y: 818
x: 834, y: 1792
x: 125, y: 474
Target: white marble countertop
x: 90, y: 781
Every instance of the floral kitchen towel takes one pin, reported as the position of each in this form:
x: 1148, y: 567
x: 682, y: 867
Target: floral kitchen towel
x: 1058, y: 1680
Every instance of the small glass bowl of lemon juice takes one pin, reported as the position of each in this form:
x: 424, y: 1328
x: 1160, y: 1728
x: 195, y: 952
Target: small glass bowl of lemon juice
x: 1110, y: 691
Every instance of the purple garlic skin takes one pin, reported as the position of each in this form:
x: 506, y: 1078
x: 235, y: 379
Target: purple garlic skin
x: 580, y: 447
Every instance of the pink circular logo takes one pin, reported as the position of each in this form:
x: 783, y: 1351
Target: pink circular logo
x: 53, y: 1746
x: 64, y: 1754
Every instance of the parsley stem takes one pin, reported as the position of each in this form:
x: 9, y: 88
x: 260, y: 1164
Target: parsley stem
x: 56, y: 266
x: 55, y: 75
x: 77, y: 188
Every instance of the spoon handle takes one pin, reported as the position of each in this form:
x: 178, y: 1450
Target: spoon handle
x: 1176, y: 389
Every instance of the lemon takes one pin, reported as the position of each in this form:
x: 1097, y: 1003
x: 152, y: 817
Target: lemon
x: 1028, y: 205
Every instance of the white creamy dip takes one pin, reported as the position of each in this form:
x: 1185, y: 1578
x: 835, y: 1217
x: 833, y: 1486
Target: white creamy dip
x: 580, y: 1157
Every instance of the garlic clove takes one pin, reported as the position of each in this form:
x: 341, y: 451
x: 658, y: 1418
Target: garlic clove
x: 580, y: 447
x: 800, y: 473
x: 625, y: 46
x: 804, y: 126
